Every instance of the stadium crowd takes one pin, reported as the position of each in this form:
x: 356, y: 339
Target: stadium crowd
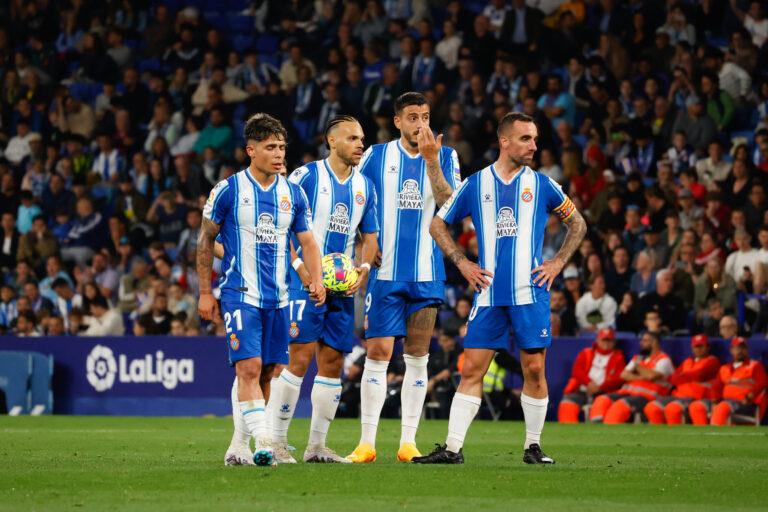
x: 118, y: 117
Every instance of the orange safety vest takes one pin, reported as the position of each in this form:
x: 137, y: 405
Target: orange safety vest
x: 647, y: 388
x: 694, y: 379
x: 737, y: 383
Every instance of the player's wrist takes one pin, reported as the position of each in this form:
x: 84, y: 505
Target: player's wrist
x: 296, y: 263
x: 205, y: 292
x: 365, y: 267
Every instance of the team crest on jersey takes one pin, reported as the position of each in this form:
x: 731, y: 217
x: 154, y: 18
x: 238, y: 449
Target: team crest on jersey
x: 505, y: 223
x: 266, y: 233
x: 285, y: 203
x: 293, y: 331
x: 234, y: 342
x: 339, y: 221
x: 527, y: 195
x: 409, y: 198
x: 359, y: 198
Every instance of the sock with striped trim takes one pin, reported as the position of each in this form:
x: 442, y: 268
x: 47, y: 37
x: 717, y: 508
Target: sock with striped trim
x: 326, y: 393
x: 254, y: 415
x: 286, y: 398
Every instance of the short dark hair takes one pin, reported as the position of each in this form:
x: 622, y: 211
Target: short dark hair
x: 510, y: 118
x: 333, y: 123
x: 409, y: 98
x: 261, y: 126
x: 100, y: 302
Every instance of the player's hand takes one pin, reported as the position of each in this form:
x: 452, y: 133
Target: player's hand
x: 317, y: 293
x: 547, y: 272
x: 478, y: 278
x: 592, y: 388
x: 429, y: 146
x: 362, y: 278
x: 207, y: 307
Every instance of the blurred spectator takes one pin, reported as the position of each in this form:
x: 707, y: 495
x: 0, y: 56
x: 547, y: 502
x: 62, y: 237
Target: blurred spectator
x: 644, y: 279
x: 596, y: 309
x: 28, y: 210
x: 728, y: 327
x: 86, y: 235
x: 10, y: 245
x: 596, y: 370
x: 157, y: 320
x: 441, y: 368
x: 669, y: 307
x: 66, y: 299
x: 37, y: 302
x: 714, y: 283
x: 103, y: 320
x: 692, y: 381
x: 646, y: 377
x: 743, y: 383
x: 562, y: 315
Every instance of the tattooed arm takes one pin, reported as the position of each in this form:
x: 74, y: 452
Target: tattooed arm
x: 548, y: 270
x: 475, y: 276
x: 207, y: 306
x: 429, y: 148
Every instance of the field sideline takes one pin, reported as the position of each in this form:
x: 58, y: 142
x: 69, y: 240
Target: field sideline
x: 107, y: 463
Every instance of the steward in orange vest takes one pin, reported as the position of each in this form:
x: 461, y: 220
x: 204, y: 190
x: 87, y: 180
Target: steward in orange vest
x: 693, y: 380
x: 742, y: 389
x: 645, y: 379
x: 596, y: 370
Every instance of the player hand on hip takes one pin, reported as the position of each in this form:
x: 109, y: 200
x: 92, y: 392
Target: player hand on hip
x: 362, y: 278
x: 476, y: 277
x: 207, y: 307
x: 429, y: 147
x: 317, y: 293
x: 547, y: 272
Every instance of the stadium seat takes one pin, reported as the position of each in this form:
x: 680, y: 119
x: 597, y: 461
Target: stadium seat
x: 242, y: 43
x: 40, y: 385
x: 216, y: 20
x: 239, y: 24
x: 267, y: 44
x: 15, y: 372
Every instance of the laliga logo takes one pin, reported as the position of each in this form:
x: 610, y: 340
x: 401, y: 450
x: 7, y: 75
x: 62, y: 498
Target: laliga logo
x: 102, y: 368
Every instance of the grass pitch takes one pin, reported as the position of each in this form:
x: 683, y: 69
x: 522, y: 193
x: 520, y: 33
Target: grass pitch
x: 97, y: 463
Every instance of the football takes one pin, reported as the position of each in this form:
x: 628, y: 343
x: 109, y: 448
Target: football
x: 339, y: 272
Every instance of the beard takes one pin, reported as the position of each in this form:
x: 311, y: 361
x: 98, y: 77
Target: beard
x: 645, y: 352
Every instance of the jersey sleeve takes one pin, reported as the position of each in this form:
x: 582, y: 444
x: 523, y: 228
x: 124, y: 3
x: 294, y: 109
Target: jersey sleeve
x: 302, y: 216
x: 556, y: 200
x: 631, y: 365
x: 449, y: 163
x: 458, y: 205
x: 219, y: 202
x: 370, y: 222
x: 370, y: 161
x: 298, y: 175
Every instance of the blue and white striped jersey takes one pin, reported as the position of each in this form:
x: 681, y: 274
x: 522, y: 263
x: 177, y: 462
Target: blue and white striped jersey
x: 405, y: 210
x: 338, y: 208
x: 256, y: 225
x: 509, y: 219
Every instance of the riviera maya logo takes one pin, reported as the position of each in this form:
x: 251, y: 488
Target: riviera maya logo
x: 505, y: 223
x: 265, y: 230
x: 339, y: 221
x: 409, y: 197
x: 101, y: 368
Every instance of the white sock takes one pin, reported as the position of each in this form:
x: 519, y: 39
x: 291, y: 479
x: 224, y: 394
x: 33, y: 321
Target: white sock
x: 373, y: 392
x: 463, y: 410
x: 326, y: 393
x: 240, y: 436
x: 271, y: 405
x: 412, y: 395
x: 285, y: 405
x: 254, y: 413
x: 535, y: 412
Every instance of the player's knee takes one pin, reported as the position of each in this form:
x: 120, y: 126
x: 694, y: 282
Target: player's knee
x: 249, y: 369
x: 534, y: 371
x: 299, y: 364
x: 379, y: 352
